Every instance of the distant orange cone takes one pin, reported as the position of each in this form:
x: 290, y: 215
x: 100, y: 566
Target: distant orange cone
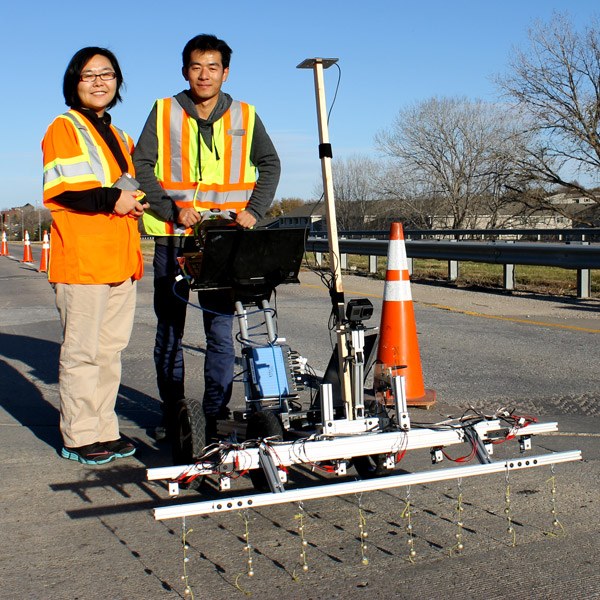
x: 45, y: 254
x: 27, y: 258
x: 398, y: 350
x: 4, y: 250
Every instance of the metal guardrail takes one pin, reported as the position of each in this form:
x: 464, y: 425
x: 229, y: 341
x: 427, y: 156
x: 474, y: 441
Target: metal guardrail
x: 580, y: 233
x: 581, y: 256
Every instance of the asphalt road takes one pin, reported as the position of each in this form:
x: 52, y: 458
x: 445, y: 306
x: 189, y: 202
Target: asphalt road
x: 72, y: 531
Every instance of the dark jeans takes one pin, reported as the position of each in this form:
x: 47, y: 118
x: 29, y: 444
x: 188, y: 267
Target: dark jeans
x: 168, y: 352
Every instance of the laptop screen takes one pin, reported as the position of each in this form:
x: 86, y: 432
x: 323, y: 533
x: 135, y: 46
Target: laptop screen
x: 244, y: 259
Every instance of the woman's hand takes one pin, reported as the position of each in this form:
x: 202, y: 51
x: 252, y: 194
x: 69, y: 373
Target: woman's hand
x: 128, y: 204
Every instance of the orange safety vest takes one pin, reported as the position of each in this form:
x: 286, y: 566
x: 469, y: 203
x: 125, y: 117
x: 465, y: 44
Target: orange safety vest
x: 228, y: 176
x: 87, y: 248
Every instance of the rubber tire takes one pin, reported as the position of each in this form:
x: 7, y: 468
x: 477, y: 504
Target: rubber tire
x: 262, y: 424
x: 370, y: 466
x: 189, y: 438
x: 373, y: 465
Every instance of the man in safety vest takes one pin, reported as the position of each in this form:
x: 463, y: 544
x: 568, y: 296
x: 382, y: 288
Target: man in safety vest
x: 200, y: 150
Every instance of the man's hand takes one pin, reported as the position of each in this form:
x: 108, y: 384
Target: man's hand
x: 245, y: 219
x: 188, y: 217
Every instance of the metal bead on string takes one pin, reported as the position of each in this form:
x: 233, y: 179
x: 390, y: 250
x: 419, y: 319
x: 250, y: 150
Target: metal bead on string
x: 247, y: 547
x: 555, y: 522
x: 406, y: 514
x: 186, y: 559
x: 303, y: 542
x: 508, y: 510
x: 459, y: 520
x: 362, y: 522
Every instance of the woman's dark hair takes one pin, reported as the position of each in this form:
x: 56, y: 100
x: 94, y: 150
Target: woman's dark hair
x: 206, y: 43
x: 73, y: 73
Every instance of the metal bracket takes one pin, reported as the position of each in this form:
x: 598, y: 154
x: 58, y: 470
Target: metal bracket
x: 480, y: 448
x: 265, y: 459
x: 524, y: 443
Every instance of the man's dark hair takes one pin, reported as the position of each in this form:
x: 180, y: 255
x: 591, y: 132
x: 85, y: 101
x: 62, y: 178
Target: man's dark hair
x: 207, y: 43
x: 73, y: 74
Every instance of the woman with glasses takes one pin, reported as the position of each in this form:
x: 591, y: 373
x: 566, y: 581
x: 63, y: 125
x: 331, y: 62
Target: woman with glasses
x: 95, y: 256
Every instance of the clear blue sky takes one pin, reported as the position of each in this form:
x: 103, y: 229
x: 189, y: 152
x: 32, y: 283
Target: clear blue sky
x: 392, y: 53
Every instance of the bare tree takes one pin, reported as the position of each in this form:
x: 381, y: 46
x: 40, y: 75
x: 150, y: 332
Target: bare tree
x: 353, y: 188
x: 405, y: 199
x: 283, y: 206
x: 456, y: 151
x: 555, y: 83
x: 354, y: 181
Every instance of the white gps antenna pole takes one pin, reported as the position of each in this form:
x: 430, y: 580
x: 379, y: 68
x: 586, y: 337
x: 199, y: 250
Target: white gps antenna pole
x: 325, y: 154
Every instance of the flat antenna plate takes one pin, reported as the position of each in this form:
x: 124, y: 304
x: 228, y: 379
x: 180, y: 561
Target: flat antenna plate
x: 309, y: 63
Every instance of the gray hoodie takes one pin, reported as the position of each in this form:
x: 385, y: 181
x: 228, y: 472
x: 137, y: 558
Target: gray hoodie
x: 262, y: 154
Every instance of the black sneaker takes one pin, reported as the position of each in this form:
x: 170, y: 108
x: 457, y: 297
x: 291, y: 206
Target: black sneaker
x: 92, y: 454
x: 120, y: 448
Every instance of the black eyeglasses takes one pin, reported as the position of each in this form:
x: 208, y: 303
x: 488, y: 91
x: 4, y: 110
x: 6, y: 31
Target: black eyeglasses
x: 91, y: 77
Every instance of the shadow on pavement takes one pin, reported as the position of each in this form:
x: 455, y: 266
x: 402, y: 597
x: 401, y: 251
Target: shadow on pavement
x: 22, y: 396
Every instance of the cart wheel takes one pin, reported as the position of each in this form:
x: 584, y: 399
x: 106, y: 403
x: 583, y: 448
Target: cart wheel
x: 262, y: 424
x: 190, y: 435
x: 371, y: 466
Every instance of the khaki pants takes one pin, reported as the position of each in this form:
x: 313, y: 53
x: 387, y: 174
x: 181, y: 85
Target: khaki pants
x: 97, y: 321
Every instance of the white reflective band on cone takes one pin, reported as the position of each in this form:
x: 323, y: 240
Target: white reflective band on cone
x: 397, y: 260
x: 397, y: 291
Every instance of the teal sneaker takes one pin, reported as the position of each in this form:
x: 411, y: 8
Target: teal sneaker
x: 120, y: 448
x: 92, y: 454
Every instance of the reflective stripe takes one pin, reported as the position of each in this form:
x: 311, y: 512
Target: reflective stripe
x: 71, y: 168
x: 98, y: 163
x: 175, y: 131
x: 122, y: 135
x: 397, y: 291
x: 186, y: 197
x: 236, y: 125
x: 397, y: 255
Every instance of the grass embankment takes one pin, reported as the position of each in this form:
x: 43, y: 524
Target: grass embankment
x: 541, y: 280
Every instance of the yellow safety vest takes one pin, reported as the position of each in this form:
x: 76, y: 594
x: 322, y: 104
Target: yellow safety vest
x: 227, y: 177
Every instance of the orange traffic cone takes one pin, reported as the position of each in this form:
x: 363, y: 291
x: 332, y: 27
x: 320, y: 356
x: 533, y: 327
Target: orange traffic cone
x: 45, y: 254
x: 398, y: 350
x: 4, y: 250
x: 27, y: 258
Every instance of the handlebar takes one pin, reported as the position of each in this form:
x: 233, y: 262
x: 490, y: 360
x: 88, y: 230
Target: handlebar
x: 216, y: 213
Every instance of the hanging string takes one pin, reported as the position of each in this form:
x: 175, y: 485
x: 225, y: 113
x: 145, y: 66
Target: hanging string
x: 303, y: 542
x: 186, y: 560
x: 555, y: 522
x: 508, y: 510
x: 362, y: 522
x: 247, y: 548
x: 406, y: 514
x: 459, y: 519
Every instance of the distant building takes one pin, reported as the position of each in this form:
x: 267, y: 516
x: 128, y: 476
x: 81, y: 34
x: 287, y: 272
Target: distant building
x: 310, y: 214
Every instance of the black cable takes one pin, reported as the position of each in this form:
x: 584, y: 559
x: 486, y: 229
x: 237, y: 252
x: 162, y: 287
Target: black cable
x: 337, y: 87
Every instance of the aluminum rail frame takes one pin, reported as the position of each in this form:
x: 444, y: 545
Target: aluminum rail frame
x: 346, y: 447
x: 354, y: 487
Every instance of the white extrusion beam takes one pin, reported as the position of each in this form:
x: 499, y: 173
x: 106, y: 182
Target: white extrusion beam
x: 353, y: 487
x: 311, y: 451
